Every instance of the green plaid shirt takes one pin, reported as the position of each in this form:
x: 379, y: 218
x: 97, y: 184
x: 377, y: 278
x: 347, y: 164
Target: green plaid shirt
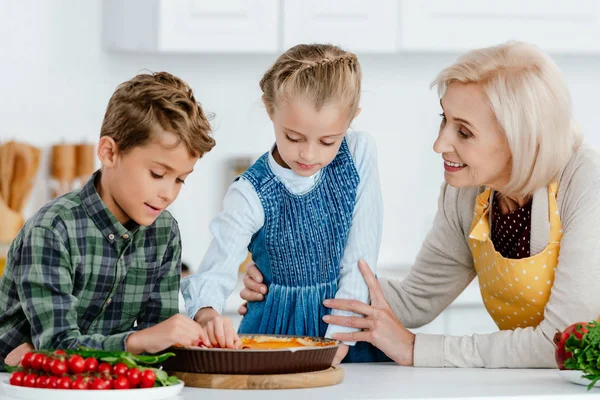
x: 76, y: 276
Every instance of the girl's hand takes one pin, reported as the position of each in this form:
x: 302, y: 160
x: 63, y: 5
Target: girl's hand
x: 222, y: 334
x: 380, y: 326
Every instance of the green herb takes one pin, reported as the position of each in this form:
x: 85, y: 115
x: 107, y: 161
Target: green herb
x: 585, y: 353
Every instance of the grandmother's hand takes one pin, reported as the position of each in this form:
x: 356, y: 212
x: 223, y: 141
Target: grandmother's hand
x: 380, y: 326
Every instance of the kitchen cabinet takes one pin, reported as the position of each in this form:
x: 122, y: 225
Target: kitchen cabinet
x: 192, y: 26
x: 357, y: 25
x: 384, y: 26
x: 459, y: 25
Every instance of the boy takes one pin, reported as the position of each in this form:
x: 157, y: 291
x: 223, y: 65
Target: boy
x: 90, y: 264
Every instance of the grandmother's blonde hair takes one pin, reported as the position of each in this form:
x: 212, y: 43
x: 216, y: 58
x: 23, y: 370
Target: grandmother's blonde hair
x: 532, y: 104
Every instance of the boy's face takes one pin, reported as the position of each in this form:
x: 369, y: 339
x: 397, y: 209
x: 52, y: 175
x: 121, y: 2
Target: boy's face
x: 142, y: 183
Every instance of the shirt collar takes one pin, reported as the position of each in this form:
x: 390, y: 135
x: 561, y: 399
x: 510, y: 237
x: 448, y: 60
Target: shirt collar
x: 101, y: 216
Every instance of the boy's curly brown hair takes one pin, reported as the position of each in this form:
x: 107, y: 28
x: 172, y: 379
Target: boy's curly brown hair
x: 156, y: 99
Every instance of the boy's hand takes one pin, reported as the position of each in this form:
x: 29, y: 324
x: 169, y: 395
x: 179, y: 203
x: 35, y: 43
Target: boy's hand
x: 340, y: 354
x: 178, y: 329
x: 14, y: 357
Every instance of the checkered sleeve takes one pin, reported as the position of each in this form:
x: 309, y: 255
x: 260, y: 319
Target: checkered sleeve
x: 164, y: 299
x: 44, y: 284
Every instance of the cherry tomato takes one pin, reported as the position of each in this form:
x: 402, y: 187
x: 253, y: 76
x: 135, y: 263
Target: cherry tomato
x: 80, y: 383
x: 52, y: 382
x: 104, y: 368
x: 41, y: 382
x: 17, y: 377
x: 76, y: 364
x: 148, y: 378
x: 37, y: 361
x: 46, y: 364
x: 121, y: 382
x: 60, y: 352
x: 30, y: 380
x: 98, y: 384
x: 119, y: 369
x: 134, y: 376
x: 26, y: 360
x: 58, y: 367
x: 91, y: 364
x: 63, y: 383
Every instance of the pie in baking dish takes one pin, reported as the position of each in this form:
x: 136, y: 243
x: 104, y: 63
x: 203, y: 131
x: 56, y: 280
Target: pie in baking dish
x: 265, y: 342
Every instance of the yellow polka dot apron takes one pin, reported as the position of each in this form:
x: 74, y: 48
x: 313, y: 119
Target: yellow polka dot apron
x: 514, y: 291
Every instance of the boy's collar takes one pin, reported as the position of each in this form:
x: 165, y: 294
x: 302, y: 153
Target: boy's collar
x: 98, y: 212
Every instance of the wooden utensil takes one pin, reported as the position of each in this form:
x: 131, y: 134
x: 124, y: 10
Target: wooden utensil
x: 62, y: 168
x: 26, y: 163
x: 84, y: 161
x: 7, y: 155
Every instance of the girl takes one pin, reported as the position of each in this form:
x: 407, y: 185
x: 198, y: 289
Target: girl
x: 308, y: 210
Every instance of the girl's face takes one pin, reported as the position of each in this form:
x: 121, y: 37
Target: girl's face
x: 308, y: 140
x: 474, y: 147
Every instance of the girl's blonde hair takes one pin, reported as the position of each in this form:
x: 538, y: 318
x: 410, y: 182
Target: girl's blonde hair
x: 531, y: 101
x: 319, y: 73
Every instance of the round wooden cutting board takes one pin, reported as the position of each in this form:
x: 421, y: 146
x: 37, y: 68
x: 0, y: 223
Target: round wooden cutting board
x: 328, y: 377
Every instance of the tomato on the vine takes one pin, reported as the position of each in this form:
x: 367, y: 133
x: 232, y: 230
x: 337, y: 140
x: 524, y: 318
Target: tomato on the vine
x: 76, y: 364
x: 17, y: 377
x: 148, y: 378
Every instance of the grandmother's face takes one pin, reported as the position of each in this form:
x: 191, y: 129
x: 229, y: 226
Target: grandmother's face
x: 474, y: 147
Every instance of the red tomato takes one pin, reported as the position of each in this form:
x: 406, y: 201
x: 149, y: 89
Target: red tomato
x: 80, y: 383
x: 60, y: 352
x: 99, y: 384
x: 104, y: 368
x: 560, y: 339
x: 36, y: 361
x: 119, y: 369
x: 63, y: 383
x: 30, y: 380
x: 121, y: 382
x: 148, y: 378
x: 46, y: 364
x: 58, y: 367
x: 52, y: 382
x: 17, y: 377
x: 76, y: 364
x: 91, y: 364
x: 41, y: 382
x: 134, y: 376
x: 26, y: 360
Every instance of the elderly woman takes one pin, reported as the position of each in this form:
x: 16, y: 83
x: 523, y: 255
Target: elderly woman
x: 520, y: 210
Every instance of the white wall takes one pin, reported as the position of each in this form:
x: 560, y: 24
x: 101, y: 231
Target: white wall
x: 55, y: 81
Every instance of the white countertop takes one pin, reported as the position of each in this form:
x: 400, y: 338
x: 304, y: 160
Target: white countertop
x: 389, y: 381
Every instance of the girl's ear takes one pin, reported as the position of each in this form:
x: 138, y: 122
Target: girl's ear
x: 269, y: 108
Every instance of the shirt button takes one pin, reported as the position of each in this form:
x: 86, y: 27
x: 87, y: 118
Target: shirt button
x: 109, y: 301
x: 111, y: 236
x: 125, y: 236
